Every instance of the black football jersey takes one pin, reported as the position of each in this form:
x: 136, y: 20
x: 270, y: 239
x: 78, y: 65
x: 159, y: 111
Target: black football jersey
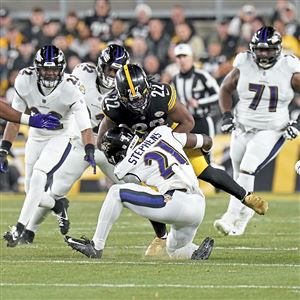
x: 162, y: 100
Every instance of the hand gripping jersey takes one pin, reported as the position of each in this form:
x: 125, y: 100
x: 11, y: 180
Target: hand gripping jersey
x: 93, y: 92
x: 66, y: 101
x: 264, y: 93
x: 160, y: 161
x: 162, y: 100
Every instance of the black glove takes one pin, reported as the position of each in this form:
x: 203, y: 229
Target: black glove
x: 4, y: 150
x: 90, y: 155
x: 228, y: 122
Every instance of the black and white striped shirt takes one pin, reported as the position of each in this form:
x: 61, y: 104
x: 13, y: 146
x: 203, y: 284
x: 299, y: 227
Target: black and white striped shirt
x: 196, y: 84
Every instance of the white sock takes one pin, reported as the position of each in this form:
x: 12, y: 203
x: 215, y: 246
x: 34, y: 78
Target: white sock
x: 184, y: 252
x: 38, y: 218
x: 47, y: 201
x: 236, y: 207
x: 109, y: 213
x: 33, y: 196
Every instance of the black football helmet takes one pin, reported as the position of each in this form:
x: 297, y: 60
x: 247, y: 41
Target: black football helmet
x: 115, y: 143
x: 133, y: 87
x: 265, y: 47
x: 50, y: 64
x: 110, y: 60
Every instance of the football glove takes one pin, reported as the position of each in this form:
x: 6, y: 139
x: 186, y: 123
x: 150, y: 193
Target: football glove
x: 228, y: 122
x: 44, y: 121
x: 90, y: 155
x: 292, y: 130
x: 256, y: 203
x: 4, y: 150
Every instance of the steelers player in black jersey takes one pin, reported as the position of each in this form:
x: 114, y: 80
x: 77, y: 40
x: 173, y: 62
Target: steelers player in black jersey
x: 142, y: 104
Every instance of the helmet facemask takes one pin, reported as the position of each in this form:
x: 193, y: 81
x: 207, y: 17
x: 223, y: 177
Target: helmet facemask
x: 110, y: 61
x: 266, y: 47
x: 49, y: 65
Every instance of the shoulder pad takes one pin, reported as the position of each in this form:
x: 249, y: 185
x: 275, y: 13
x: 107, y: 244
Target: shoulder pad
x: 293, y: 63
x: 84, y: 71
x: 24, y: 80
x: 241, y: 58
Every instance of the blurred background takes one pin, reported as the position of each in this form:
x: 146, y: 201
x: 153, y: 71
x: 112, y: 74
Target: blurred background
x: 216, y: 30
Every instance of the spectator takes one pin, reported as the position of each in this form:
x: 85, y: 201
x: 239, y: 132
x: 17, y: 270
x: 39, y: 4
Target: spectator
x: 157, y: 41
x: 139, y: 27
x: 139, y: 50
x: 48, y: 33
x: 184, y: 34
x: 94, y: 50
x: 5, y: 21
x: 172, y: 68
x: 101, y: 19
x: 80, y: 44
x: 34, y: 26
x: 25, y: 55
x: 118, y: 33
x: 177, y: 17
x: 152, y: 66
x: 288, y: 14
x: 70, y: 28
x: 240, y: 25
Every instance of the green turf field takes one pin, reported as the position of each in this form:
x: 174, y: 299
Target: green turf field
x: 262, y: 264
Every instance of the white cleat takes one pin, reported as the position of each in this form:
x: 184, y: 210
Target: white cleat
x: 223, y: 227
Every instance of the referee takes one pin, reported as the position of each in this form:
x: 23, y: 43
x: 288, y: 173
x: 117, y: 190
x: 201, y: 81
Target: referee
x: 196, y: 89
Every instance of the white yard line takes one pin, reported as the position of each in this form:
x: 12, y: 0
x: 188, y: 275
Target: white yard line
x: 132, y: 285
x: 92, y: 261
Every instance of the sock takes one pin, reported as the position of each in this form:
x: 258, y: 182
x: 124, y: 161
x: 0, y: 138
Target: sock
x: 33, y: 196
x: 221, y: 180
x: 37, y: 219
x: 109, y: 213
x: 160, y: 229
x: 47, y: 201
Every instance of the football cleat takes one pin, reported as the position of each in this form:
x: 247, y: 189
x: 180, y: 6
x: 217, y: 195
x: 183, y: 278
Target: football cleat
x: 62, y: 215
x: 12, y: 237
x: 27, y: 237
x: 84, y: 246
x: 256, y: 203
x: 204, y: 250
x: 157, y: 247
x: 223, y: 227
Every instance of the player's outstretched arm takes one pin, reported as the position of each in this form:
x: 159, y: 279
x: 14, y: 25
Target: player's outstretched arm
x: 105, y: 124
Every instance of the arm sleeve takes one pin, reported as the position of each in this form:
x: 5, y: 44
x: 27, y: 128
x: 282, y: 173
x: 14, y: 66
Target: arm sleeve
x: 81, y: 114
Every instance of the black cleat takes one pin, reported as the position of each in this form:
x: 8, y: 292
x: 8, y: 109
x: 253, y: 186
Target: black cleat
x: 12, y: 237
x: 84, y: 246
x: 61, y: 211
x: 204, y: 250
x: 27, y: 237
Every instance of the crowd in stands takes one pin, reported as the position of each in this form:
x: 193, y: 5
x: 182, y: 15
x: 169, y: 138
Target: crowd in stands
x: 149, y: 40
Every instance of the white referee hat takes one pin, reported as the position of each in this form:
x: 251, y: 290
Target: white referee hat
x: 183, y: 49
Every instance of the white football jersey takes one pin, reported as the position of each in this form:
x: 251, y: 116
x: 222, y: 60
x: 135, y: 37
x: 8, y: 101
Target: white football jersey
x: 94, y: 93
x: 66, y: 101
x: 264, y: 95
x: 152, y: 161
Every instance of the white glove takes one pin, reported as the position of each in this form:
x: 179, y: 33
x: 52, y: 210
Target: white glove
x: 291, y: 132
x: 297, y: 167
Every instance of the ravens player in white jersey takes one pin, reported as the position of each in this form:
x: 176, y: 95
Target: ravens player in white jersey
x: 98, y: 81
x: 46, y: 88
x: 266, y: 81
x: 143, y: 104
x: 159, y: 160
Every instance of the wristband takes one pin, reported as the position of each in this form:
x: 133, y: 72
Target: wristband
x: 24, y: 119
x: 5, y: 145
x: 199, y: 142
x: 89, y: 148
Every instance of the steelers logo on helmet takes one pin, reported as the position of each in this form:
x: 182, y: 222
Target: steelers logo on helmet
x: 265, y: 47
x: 133, y: 88
x: 110, y: 61
x: 50, y: 64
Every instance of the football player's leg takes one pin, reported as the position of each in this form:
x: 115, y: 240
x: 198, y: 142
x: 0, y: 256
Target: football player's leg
x: 50, y: 160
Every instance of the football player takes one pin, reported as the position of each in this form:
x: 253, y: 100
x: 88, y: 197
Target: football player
x: 98, y: 81
x: 39, y: 120
x: 158, y: 161
x: 46, y: 88
x: 143, y: 104
x: 266, y: 81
